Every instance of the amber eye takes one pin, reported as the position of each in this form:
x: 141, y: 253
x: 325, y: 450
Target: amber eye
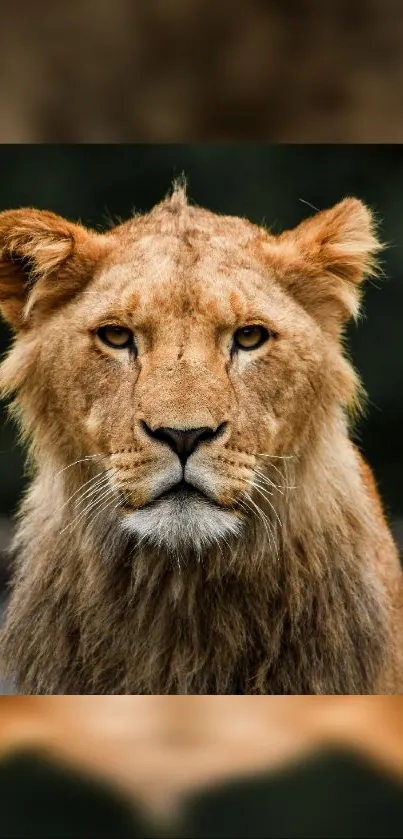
x: 118, y: 337
x: 250, y: 337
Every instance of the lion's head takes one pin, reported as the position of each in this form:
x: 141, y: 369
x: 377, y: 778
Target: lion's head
x: 185, y: 355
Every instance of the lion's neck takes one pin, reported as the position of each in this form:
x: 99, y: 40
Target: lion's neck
x: 301, y: 616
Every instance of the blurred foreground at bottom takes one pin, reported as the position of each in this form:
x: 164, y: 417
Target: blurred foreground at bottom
x: 199, y: 767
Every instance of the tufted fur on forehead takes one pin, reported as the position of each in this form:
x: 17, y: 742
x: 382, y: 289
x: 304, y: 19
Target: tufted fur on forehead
x: 176, y: 217
x: 305, y: 595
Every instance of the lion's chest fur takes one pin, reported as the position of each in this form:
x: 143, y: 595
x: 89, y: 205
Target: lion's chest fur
x: 150, y: 627
x: 94, y: 614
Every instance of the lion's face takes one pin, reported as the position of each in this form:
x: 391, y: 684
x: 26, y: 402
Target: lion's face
x: 183, y: 403
x: 182, y: 362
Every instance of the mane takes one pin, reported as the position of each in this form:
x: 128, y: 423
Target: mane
x: 260, y: 615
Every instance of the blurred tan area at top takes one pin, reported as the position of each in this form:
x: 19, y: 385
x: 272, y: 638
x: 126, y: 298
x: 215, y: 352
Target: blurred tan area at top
x: 159, y: 748
x: 180, y: 70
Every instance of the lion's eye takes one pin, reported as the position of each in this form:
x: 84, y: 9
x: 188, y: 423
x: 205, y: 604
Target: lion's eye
x: 250, y: 337
x: 118, y: 337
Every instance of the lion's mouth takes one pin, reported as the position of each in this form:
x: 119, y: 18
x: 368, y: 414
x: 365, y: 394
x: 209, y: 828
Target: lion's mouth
x: 181, y: 493
x: 182, y: 489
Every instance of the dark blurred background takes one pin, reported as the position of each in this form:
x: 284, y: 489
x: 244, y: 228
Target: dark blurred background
x: 185, y: 70
x: 206, y: 767
x: 266, y: 183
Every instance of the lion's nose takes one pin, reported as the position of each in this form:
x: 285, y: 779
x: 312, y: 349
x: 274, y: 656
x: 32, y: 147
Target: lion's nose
x: 183, y: 441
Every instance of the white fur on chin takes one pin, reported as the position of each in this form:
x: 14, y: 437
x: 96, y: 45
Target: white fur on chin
x: 180, y: 523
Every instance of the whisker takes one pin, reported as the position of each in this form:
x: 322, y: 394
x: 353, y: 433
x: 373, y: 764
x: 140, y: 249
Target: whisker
x: 266, y: 524
x: 94, y: 478
x: 99, y: 505
x: 218, y: 542
x: 267, y: 480
x: 275, y: 456
x: 248, y: 509
x: 261, y: 490
x: 92, y: 502
x: 88, y: 508
x: 92, y: 490
x: 273, y: 466
x: 261, y: 516
x: 284, y: 486
x: 102, y: 510
x: 81, y: 460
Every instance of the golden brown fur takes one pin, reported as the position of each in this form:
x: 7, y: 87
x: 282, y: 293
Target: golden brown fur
x: 287, y: 581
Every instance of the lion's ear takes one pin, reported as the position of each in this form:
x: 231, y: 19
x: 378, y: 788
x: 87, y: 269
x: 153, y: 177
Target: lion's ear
x: 43, y: 259
x: 330, y: 254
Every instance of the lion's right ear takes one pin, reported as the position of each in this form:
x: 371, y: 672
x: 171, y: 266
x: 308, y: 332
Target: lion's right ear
x: 43, y: 260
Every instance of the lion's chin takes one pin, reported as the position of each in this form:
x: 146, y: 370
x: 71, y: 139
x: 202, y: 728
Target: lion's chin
x: 182, y: 522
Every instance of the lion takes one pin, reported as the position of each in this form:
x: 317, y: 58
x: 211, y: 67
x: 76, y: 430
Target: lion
x: 199, y: 520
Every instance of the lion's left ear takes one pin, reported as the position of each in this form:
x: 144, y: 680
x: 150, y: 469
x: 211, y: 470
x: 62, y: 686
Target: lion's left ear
x: 43, y: 259
x: 327, y: 257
